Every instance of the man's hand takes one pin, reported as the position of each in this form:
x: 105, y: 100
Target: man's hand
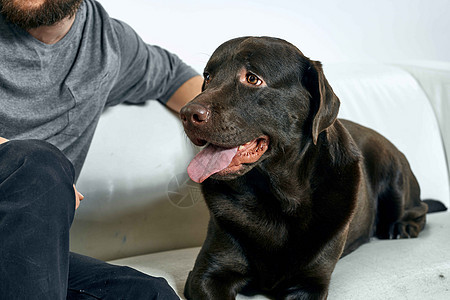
x: 3, y: 140
x: 78, y: 197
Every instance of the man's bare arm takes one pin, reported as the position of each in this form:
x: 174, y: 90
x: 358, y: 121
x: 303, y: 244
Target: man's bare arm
x: 185, y: 93
x: 3, y: 140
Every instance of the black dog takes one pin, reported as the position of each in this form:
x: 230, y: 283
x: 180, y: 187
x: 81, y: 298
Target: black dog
x: 290, y: 187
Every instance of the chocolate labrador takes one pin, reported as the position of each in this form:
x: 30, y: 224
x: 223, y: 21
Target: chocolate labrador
x: 290, y: 187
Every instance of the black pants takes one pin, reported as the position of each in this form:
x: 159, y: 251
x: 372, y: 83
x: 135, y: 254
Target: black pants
x: 37, y: 204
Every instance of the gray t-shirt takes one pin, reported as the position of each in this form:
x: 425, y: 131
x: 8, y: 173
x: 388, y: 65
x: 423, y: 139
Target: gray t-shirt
x: 58, y: 92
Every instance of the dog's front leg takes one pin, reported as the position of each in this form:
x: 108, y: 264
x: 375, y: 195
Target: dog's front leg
x: 314, y: 286
x: 222, y: 285
x: 220, y: 270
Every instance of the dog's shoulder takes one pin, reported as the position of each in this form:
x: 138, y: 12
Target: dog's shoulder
x: 340, y: 145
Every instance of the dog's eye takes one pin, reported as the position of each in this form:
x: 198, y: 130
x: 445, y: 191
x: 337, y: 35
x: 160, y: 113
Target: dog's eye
x: 253, y: 79
x: 207, y: 77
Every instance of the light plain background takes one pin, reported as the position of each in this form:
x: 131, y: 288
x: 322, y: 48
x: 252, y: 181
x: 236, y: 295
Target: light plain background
x: 325, y: 30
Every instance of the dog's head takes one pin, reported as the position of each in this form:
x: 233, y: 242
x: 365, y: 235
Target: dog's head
x: 261, y: 98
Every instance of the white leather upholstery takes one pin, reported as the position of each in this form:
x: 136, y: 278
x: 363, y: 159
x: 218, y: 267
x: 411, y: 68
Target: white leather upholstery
x: 389, y: 100
x: 135, y: 200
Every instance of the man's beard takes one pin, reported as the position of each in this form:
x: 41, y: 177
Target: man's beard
x: 47, y: 14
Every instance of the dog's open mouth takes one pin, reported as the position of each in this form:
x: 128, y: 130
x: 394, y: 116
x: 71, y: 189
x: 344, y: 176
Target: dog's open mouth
x: 223, y: 161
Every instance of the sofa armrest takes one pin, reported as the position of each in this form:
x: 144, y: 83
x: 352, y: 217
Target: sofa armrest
x: 390, y: 100
x: 434, y: 78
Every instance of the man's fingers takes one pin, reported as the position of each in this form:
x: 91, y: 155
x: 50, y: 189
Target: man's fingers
x: 78, y: 197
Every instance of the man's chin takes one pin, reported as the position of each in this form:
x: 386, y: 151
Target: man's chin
x: 27, y: 15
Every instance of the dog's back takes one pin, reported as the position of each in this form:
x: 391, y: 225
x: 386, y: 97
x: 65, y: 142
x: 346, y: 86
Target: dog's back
x: 392, y: 188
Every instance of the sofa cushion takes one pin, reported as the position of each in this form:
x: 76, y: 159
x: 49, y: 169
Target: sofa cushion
x: 382, y: 269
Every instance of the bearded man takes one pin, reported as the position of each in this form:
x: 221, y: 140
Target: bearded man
x: 61, y: 63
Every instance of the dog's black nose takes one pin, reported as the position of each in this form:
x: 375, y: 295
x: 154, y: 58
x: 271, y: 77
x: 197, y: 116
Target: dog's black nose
x: 194, y: 113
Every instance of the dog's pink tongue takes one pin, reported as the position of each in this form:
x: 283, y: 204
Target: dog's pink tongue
x: 210, y: 160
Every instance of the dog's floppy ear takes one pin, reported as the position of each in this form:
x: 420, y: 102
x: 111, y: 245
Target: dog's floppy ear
x: 324, y: 103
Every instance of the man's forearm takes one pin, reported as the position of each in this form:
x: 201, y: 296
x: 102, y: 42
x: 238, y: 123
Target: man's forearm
x: 2, y: 140
x: 185, y: 93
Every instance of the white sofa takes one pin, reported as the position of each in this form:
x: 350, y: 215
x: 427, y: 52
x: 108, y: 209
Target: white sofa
x: 141, y: 210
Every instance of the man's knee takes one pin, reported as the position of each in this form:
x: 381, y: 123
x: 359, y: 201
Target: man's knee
x: 41, y: 161
x: 36, y: 174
